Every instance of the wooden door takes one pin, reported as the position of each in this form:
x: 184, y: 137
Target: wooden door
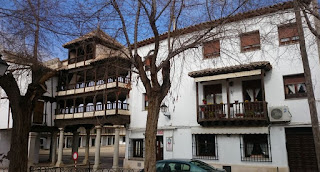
x: 301, y: 150
x: 159, y: 148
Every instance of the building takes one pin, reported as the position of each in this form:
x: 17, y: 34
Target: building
x: 240, y: 101
x: 93, y: 88
x: 42, y: 120
x: 85, y: 104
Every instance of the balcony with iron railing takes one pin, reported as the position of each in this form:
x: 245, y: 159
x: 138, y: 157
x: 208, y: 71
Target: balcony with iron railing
x: 91, y: 110
x: 91, y: 85
x: 240, y: 113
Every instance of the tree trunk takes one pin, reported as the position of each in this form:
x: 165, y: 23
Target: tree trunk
x: 151, y: 133
x: 18, y: 154
x: 309, y: 85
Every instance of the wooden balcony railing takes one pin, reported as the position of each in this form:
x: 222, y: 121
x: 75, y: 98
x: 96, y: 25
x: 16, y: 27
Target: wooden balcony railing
x: 91, y: 83
x: 244, y: 111
x: 91, y: 108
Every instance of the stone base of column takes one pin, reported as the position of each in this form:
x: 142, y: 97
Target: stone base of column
x: 85, y: 162
x: 95, y: 167
x: 59, y: 164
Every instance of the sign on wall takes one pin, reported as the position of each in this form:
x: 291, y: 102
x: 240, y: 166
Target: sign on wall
x: 169, y: 144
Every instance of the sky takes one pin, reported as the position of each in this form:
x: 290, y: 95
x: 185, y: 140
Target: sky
x: 77, y: 17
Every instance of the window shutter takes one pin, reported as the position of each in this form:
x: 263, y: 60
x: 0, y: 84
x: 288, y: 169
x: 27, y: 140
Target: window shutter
x: 145, y: 97
x: 294, y: 79
x: 288, y: 31
x: 249, y: 39
x: 38, y: 113
x: 211, y: 49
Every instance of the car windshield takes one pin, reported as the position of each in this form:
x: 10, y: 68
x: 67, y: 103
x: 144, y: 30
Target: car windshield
x: 202, y: 165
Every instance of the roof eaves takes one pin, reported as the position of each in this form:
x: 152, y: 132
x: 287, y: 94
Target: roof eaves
x: 236, y: 17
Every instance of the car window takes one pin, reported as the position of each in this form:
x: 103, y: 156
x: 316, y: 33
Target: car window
x: 178, y: 167
x: 160, y: 166
x: 202, y: 165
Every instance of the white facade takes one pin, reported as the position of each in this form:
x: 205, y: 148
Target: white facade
x: 183, y: 126
x: 23, y: 78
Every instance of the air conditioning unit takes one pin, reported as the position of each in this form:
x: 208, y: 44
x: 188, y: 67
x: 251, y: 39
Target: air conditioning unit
x: 279, y: 114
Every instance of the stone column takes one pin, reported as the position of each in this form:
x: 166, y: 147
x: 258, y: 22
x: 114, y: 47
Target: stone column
x: 53, y: 147
x: 75, y: 142
x: 60, y: 150
x: 31, y: 147
x: 97, y: 149
x: 86, y: 153
x: 116, y: 149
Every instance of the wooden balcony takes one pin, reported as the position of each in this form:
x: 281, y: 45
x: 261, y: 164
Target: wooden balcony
x: 239, y: 114
x: 91, y: 111
x: 89, y: 86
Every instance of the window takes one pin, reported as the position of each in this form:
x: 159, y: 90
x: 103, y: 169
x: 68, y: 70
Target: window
x: 147, y: 62
x: 250, y: 41
x: 288, y: 34
x: 255, y: 147
x: 294, y: 86
x: 137, y: 148
x: 38, y: 112
x: 213, y: 93
x: 146, y: 103
x: 204, y: 146
x: 211, y: 49
x: 173, y: 166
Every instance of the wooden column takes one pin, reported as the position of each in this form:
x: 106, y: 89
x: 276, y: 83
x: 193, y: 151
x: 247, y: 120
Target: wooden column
x: 85, y: 79
x: 263, y: 93
x: 74, y: 107
x: 105, y: 96
x: 197, y: 100
x: 228, y: 97
x: 118, y: 90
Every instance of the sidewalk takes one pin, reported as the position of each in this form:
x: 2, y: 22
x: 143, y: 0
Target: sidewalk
x: 106, y: 156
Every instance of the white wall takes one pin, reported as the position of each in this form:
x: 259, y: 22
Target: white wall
x: 5, y: 137
x: 285, y: 60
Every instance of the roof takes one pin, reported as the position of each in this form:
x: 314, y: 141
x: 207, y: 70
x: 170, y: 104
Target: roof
x: 231, y: 69
x: 95, y: 34
x: 213, y: 23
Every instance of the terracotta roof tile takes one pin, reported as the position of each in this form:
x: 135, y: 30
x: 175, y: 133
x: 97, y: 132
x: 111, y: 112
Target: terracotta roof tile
x: 98, y: 34
x: 230, y: 69
x: 213, y: 23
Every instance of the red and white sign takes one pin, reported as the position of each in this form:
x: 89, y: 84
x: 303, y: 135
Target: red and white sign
x: 75, y: 156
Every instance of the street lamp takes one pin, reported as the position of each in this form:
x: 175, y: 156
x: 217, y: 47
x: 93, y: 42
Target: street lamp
x: 3, y: 66
x: 164, y: 109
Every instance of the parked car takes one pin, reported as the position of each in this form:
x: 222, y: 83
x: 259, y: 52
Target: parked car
x: 182, y: 165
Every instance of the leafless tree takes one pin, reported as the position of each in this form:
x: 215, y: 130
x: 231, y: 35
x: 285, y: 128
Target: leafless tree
x: 26, y: 30
x: 165, y: 16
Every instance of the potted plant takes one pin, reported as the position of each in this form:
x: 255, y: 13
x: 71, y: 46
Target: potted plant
x: 204, y: 101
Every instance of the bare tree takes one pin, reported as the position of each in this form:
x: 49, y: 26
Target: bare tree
x: 304, y: 7
x: 158, y: 16
x: 26, y: 30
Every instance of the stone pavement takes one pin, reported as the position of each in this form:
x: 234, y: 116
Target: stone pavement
x: 106, y: 156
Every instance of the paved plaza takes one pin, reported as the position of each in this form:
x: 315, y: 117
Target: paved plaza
x: 106, y: 157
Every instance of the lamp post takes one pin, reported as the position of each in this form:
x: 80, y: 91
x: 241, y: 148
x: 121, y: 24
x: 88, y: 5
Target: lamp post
x: 3, y: 66
x: 164, y: 109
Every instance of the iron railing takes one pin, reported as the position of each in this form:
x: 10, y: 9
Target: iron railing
x: 248, y: 149
x: 79, y: 169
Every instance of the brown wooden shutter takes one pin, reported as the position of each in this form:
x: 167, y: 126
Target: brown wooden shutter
x: 288, y: 31
x: 211, y: 49
x: 145, y: 97
x: 249, y: 39
x: 38, y: 113
x: 296, y: 79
